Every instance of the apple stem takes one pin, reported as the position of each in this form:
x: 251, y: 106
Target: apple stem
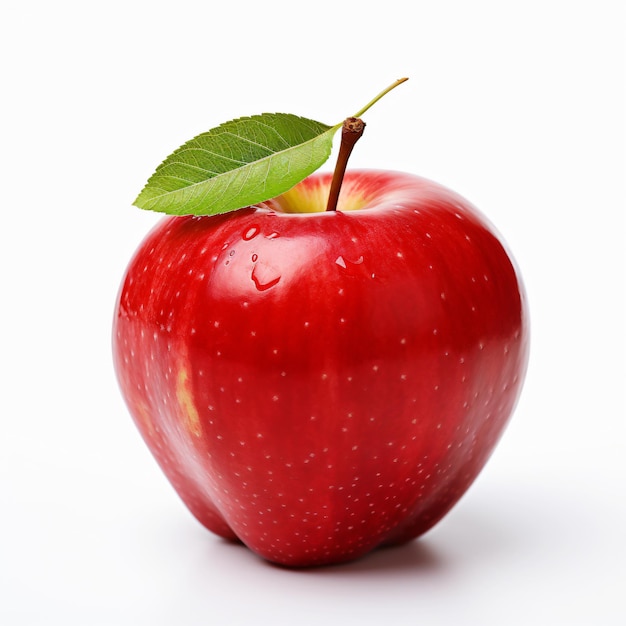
x: 351, y: 132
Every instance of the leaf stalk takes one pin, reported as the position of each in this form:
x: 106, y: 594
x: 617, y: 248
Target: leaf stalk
x: 383, y: 93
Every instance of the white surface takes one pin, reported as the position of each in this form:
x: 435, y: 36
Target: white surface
x: 517, y: 106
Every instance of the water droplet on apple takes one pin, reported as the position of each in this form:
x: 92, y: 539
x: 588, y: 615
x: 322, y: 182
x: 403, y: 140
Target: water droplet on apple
x: 273, y: 235
x: 265, y: 276
x: 343, y: 262
x: 255, y: 258
x: 251, y: 233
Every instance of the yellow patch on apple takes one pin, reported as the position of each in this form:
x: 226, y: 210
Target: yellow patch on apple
x: 185, y: 400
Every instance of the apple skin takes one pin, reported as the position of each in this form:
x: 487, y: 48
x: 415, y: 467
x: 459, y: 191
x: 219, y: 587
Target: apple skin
x: 320, y: 384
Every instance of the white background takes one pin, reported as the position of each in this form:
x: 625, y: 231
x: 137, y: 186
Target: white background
x: 519, y: 106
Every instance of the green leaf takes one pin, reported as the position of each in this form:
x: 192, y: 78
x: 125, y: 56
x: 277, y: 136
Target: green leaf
x: 240, y: 163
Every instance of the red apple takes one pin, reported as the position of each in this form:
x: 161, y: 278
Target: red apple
x: 316, y: 383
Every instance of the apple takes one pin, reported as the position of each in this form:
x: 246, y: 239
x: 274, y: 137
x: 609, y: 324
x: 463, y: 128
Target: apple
x: 318, y: 383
